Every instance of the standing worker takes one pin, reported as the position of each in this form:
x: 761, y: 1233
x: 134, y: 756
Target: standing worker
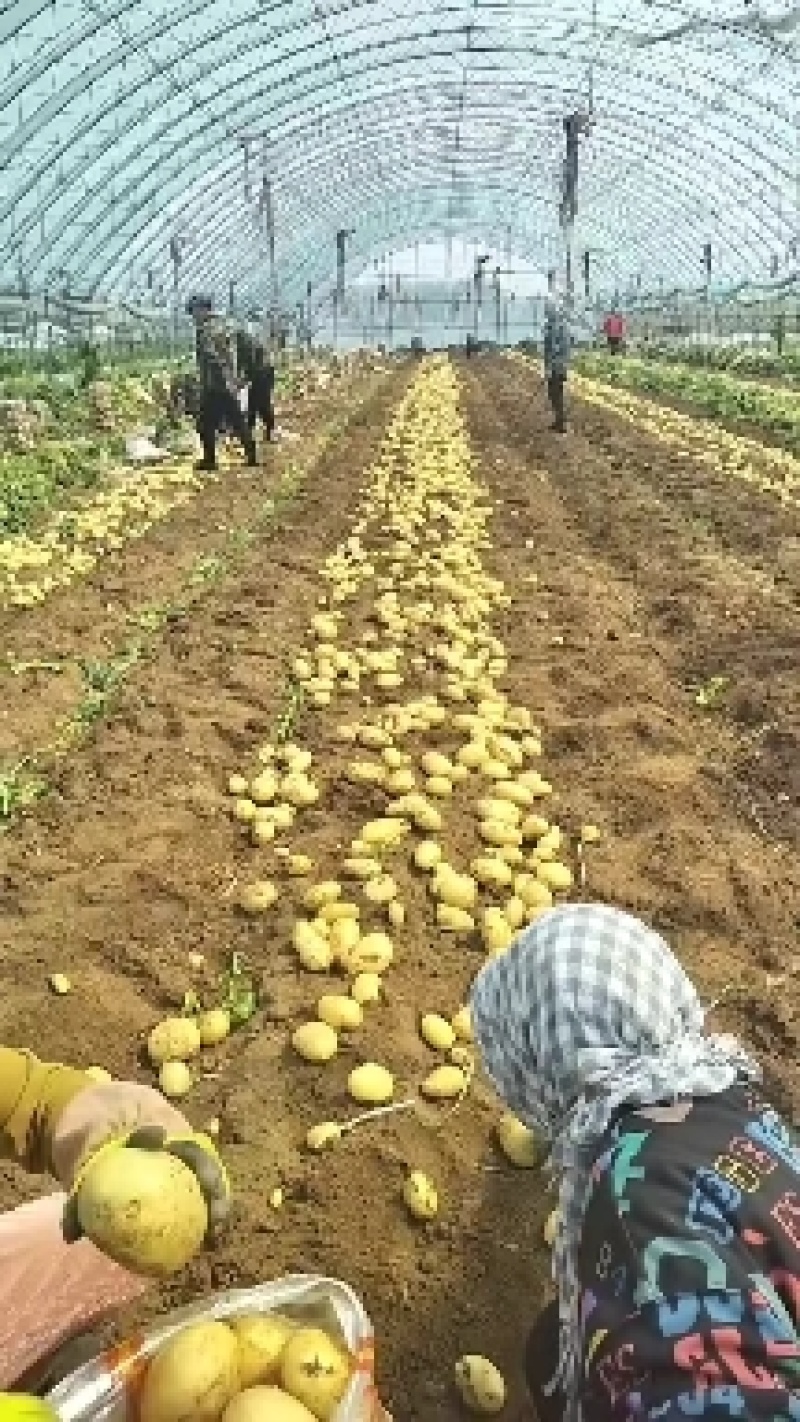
x: 256, y: 368
x: 219, y: 396
x: 677, y: 1250
x: 556, y: 360
x: 614, y: 331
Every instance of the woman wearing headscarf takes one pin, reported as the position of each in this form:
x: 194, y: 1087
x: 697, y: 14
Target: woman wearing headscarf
x: 677, y: 1256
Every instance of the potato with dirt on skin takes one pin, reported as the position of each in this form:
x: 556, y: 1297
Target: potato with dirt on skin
x: 144, y: 1209
x: 176, y: 1039
x: 214, y: 1025
x: 316, y: 1371
x: 193, y: 1376
x: 481, y: 1385
x: 518, y: 1143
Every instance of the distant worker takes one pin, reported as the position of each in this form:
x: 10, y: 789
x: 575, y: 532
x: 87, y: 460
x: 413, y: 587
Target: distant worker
x: 255, y: 367
x: 556, y: 360
x: 614, y: 331
x: 219, y: 396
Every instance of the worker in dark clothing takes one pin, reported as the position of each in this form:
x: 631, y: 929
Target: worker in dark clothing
x: 219, y: 397
x: 258, y: 371
x: 556, y: 361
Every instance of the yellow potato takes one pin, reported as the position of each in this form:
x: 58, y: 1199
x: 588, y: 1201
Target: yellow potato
x: 518, y: 1143
x: 420, y: 1195
x: 490, y: 808
x: 237, y: 785
x: 481, y: 1385
x: 325, y: 1134
x: 264, y: 788
x: 534, y: 826
x: 315, y: 1041
x: 361, y: 867
x: 439, y: 786
x: 499, y: 832
x: 532, y: 891
x: 315, y: 954
x: 461, y: 1022
x: 340, y: 908
x: 315, y: 1371
x: 175, y: 1079
x: 260, y: 1339
x: 497, y: 933
x: 459, y: 891
x: 473, y: 755
x: 427, y: 854
x: 266, y: 1403
x: 194, y: 1375
x: 437, y: 1032
x: 214, y: 1026
x: 176, y: 1039
x: 371, y: 1084
x: 436, y: 764
x: 396, y: 913
x: 318, y: 895
x: 514, y: 910
x: 244, y: 810
x: 492, y: 871
x: 144, y: 1209
x: 454, y: 920
x: 298, y: 864
x: 444, y: 1082
x: 384, y: 833
x: 381, y: 890
x: 366, y: 988
x: 342, y: 1013
x: 590, y: 834
x: 257, y: 897
x: 555, y: 875
x: 551, y: 1226
x: 372, y: 954
x: 344, y: 936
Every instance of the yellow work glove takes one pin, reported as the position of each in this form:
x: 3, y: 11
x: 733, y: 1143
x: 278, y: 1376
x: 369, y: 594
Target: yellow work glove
x: 19, y: 1407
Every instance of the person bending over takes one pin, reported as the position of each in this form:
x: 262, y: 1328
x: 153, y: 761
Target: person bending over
x: 677, y: 1255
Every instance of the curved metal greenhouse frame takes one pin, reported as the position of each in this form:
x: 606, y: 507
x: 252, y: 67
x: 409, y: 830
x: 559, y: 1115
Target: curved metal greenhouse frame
x: 123, y: 124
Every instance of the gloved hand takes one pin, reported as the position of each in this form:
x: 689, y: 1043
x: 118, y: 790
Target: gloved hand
x: 122, y: 1113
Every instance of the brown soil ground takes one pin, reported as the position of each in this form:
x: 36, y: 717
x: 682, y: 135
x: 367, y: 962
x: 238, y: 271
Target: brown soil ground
x: 649, y: 579
x: 92, y: 620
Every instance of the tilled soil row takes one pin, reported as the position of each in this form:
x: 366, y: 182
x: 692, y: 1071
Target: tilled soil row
x: 715, y: 567
x: 607, y: 676
x: 43, y: 649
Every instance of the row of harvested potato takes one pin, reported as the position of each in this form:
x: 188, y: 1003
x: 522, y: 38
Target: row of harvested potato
x: 432, y: 602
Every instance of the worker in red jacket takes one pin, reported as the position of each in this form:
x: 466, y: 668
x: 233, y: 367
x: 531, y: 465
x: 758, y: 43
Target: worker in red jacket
x: 614, y: 331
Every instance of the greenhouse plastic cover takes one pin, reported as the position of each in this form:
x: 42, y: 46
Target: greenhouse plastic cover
x: 133, y: 130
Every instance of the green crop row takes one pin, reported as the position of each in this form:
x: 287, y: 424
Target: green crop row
x: 743, y: 403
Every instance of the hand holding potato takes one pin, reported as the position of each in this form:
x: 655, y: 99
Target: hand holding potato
x: 143, y: 1186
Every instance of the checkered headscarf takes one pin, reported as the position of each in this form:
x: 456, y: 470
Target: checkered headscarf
x: 589, y: 1011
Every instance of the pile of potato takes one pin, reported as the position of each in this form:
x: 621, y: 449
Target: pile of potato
x: 253, y: 1368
